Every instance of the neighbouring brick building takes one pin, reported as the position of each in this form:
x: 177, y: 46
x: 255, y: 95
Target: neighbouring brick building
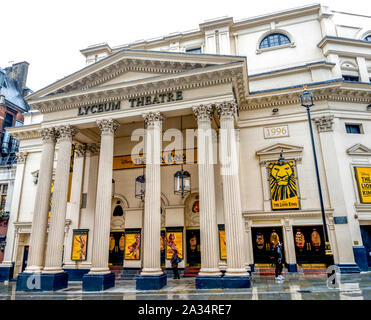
x: 12, y: 106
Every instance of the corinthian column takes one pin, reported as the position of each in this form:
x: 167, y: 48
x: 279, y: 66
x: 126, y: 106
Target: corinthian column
x: 208, y: 224
x: 54, y: 251
x: 152, y: 204
x: 234, y: 225
x: 102, y: 220
x: 41, y: 208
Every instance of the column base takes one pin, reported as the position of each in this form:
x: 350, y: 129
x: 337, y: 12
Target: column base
x: 292, y: 267
x: 252, y: 267
x: 348, y: 268
x: 98, y: 282
x: 208, y: 282
x: 151, y: 282
x: 236, y: 282
x: 360, y: 257
x: 76, y: 274
x: 42, y: 281
x: 6, y: 273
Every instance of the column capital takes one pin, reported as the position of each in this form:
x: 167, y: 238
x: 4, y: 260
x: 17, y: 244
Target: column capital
x: 92, y: 148
x: 153, y: 119
x: 108, y: 126
x: 48, y: 135
x: 227, y: 109
x: 21, y: 157
x: 203, y: 112
x: 80, y: 150
x: 66, y: 132
x: 325, y: 123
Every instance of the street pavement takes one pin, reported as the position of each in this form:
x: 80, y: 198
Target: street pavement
x: 294, y: 287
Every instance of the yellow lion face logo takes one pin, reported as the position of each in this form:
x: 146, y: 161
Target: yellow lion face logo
x: 282, y: 180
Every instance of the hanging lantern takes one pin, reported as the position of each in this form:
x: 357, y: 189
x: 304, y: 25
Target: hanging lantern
x: 140, y: 187
x: 182, y: 183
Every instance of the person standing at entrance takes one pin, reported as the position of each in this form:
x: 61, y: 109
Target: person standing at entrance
x: 174, y: 264
x: 277, y: 258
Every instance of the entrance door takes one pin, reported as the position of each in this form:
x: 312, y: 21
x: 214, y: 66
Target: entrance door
x: 262, y: 238
x: 116, y: 248
x: 309, y: 244
x: 25, y: 257
x: 193, y: 248
x: 366, y: 238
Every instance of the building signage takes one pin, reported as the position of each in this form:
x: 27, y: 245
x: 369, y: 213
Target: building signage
x: 276, y: 132
x: 133, y: 103
x: 79, y: 244
x: 363, y: 176
x: 283, y: 188
x: 132, y: 244
x: 185, y: 156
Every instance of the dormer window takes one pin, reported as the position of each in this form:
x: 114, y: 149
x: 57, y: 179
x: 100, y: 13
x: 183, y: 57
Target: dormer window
x: 274, y: 40
x: 194, y: 50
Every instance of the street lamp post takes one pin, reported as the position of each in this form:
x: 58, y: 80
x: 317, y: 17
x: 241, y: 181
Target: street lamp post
x: 306, y: 99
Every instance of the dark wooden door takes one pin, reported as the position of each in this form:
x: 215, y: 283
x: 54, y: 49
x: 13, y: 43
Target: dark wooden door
x: 193, y: 248
x: 262, y: 238
x: 116, y: 248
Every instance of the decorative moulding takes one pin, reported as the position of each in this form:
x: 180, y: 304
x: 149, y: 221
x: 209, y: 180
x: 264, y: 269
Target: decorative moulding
x: 272, y: 152
x: 359, y: 150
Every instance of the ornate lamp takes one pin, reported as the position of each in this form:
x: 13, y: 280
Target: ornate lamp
x: 140, y: 187
x: 182, y: 183
x: 182, y: 179
x: 306, y: 99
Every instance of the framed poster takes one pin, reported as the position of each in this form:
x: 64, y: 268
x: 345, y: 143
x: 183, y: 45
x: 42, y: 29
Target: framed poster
x: 132, y: 244
x: 363, y: 177
x: 282, y: 182
x: 222, y: 243
x: 79, y: 244
x: 174, y: 240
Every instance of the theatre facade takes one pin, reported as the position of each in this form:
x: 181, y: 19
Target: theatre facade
x: 144, y: 152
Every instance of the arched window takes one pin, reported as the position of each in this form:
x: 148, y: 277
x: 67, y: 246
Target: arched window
x: 274, y: 40
x: 368, y: 38
x: 118, y: 212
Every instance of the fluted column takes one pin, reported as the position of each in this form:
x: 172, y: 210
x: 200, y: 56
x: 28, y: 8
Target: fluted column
x: 234, y: 224
x: 208, y: 223
x: 102, y: 219
x: 54, y: 250
x: 75, y: 201
x: 152, y: 204
x: 41, y: 207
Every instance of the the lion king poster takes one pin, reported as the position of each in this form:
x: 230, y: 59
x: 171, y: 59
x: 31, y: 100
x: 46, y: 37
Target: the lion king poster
x: 283, y: 187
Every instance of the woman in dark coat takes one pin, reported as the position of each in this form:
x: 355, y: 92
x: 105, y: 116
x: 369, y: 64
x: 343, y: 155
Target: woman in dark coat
x: 174, y: 263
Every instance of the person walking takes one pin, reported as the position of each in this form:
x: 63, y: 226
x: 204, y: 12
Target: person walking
x: 277, y: 258
x: 174, y: 263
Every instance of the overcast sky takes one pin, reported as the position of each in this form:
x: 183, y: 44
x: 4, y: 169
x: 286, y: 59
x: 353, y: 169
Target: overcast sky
x: 49, y: 33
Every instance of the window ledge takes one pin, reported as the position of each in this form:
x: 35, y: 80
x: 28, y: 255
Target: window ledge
x: 287, y: 45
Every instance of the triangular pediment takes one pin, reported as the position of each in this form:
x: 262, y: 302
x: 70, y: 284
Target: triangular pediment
x: 276, y: 149
x: 359, y: 150
x: 130, y: 65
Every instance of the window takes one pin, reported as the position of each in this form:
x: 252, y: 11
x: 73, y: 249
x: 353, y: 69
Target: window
x: 194, y: 50
x: 274, y: 40
x: 3, y: 192
x: 368, y: 38
x: 353, y: 128
x: 351, y: 78
x: 8, y: 121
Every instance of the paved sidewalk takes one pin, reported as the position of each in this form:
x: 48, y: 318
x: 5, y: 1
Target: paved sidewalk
x: 295, y: 287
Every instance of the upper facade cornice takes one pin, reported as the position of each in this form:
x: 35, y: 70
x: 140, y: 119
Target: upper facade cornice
x: 332, y: 90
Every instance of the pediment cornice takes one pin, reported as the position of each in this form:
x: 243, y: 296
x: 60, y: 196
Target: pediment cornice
x: 359, y: 150
x: 131, y: 60
x: 189, y: 79
x: 272, y: 152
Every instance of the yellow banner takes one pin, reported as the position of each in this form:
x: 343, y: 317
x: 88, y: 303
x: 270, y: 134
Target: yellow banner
x: 363, y: 176
x: 132, y: 246
x: 283, y: 188
x: 174, y: 241
x: 222, y: 245
x: 79, y: 245
x: 187, y: 156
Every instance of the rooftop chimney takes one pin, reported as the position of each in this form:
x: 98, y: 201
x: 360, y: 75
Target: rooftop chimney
x: 19, y: 71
